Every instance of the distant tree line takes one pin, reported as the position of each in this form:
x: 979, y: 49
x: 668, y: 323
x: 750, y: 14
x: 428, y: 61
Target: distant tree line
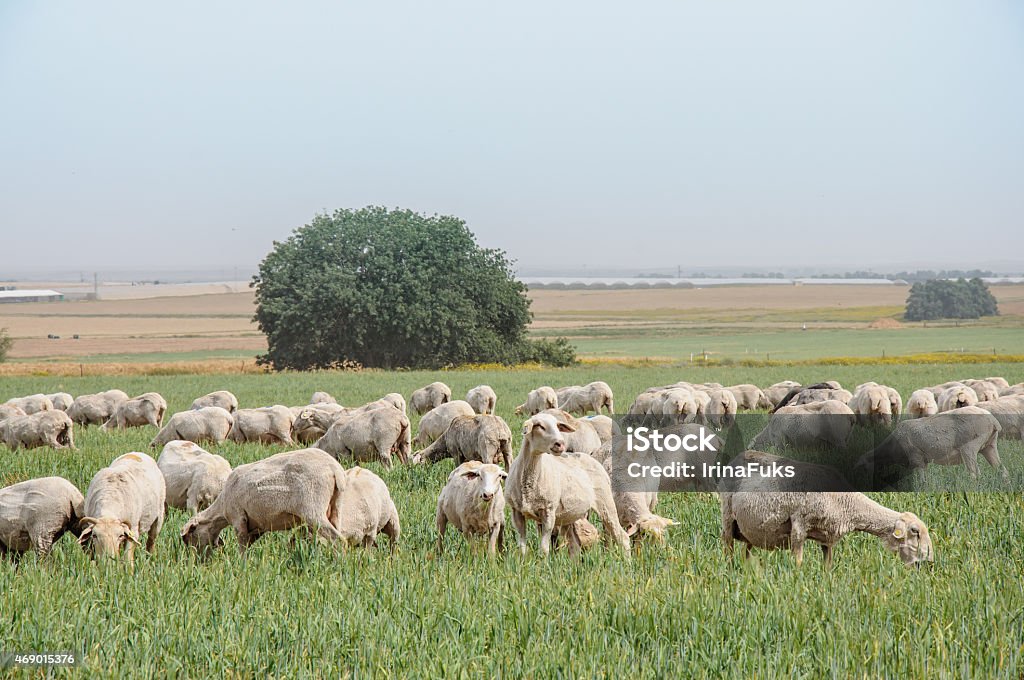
x: 946, y: 299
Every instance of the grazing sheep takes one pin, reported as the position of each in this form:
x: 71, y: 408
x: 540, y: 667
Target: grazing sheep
x: 644, y: 403
x: 635, y: 510
x: 538, y: 400
x: 871, y: 404
x: 720, y: 411
x: 268, y: 425
x: 678, y: 402
x: 36, y: 513
x: 1009, y: 411
x: 96, y: 409
x: 777, y: 392
x: 584, y: 439
x: 773, y: 513
x: 394, y: 399
x: 208, y: 424
x: 985, y: 390
x: 295, y: 488
x: 471, y: 437
x: 1000, y: 383
x: 146, y: 409
x: 369, y: 436
x: 9, y: 412
x: 956, y: 396
x: 750, y: 397
x: 548, y: 485
x: 61, y: 400
x: 950, y: 438
x: 32, y: 404
x: 365, y: 509
x: 430, y: 397
x: 473, y: 502
x: 1012, y: 390
x: 322, y: 398
x: 581, y: 400
x: 43, y: 428
x: 438, y: 419
x: 921, y: 404
x: 810, y: 426
x: 194, y: 477
x: 222, y: 398
x: 312, y: 422
x: 124, y: 500
x: 817, y: 392
x: 482, y: 398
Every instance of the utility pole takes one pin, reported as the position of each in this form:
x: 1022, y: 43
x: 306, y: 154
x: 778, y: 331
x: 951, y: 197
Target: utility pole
x: 95, y: 286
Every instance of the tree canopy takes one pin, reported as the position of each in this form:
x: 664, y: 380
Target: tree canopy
x: 393, y: 288
x: 945, y: 299
x: 5, y: 344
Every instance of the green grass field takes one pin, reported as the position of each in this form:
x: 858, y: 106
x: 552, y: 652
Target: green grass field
x: 681, y: 610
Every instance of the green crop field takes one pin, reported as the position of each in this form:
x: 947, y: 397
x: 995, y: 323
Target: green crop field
x: 680, y: 610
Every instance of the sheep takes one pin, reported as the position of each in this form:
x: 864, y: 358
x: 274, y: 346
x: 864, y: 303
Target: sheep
x: 720, y: 411
x: 871, y: 404
x: 921, y: 404
x: 294, y: 488
x: 895, y: 400
x: 146, y: 409
x: 554, y: 488
x: 32, y: 404
x: 585, y: 437
x: 537, y: 400
x: 678, y: 402
x: 61, y: 400
x: 1012, y: 390
x: 222, y: 398
x: 473, y: 502
x: 482, y: 398
x: 750, y: 397
x: 430, y: 397
x: 208, y: 424
x: 471, y: 437
x: 581, y: 400
x: 268, y: 425
x: 985, y: 390
x: 394, y: 399
x: 193, y: 477
x: 124, y: 500
x: 369, y: 436
x: 9, y: 412
x: 322, y: 398
x: 950, y: 438
x: 438, y: 419
x: 635, y: 510
x: 365, y: 509
x: 956, y: 396
x: 773, y: 513
x: 818, y: 392
x: 999, y: 382
x: 810, y: 426
x: 777, y: 392
x: 644, y: 403
x: 43, y: 428
x: 312, y: 422
x: 1009, y: 411
x: 605, y: 427
x: 95, y: 409
x: 34, y: 514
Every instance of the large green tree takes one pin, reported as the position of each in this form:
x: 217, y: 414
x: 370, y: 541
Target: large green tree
x: 392, y: 288
x: 946, y: 299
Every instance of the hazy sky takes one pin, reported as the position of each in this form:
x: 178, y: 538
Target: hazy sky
x: 577, y: 133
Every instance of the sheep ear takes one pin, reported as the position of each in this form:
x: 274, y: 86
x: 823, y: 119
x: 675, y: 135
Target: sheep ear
x: 528, y: 425
x: 900, y: 530
x: 130, y: 535
x: 566, y: 427
x: 83, y: 537
x: 470, y: 474
x: 188, y: 528
x: 503, y: 474
x: 632, y: 529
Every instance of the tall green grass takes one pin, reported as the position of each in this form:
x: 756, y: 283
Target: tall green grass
x: 683, y: 610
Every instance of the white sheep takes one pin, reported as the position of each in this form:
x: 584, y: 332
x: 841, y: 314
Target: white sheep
x: 482, y: 398
x: 208, y: 424
x: 42, y: 428
x: 32, y: 404
x: 538, y: 400
x: 473, y: 502
x: 365, y: 509
x: 773, y: 513
x: 268, y: 425
x: 34, y: 514
x: 222, y: 398
x: 124, y: 500
x: 956, y: 396
x: 921, y: 404
x: 430, y: 397
x: 437, y: 420
x: 61, y: 400
x: 193, y: 477
x: 555, y: 489
x: 145, y: 409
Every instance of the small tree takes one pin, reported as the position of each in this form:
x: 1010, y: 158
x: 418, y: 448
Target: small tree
x: 945, y: 299
x: 392, y: 289
x: 5, y: 344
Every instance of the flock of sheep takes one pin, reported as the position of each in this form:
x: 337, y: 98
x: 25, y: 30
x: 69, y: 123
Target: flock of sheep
x: 559, y: 479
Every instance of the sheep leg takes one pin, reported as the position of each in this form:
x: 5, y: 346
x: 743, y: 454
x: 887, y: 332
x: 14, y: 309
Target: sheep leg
x: 546, y: 524
x: 519, y: 522
x: 991, y: 454
x: 970, y: 459
x: 442, y: 526
x: 797, y: 536
x: 605, y: 508
x: 154, y: 531
x: 245, y: 539
x: 495, y: 542
x: 575, y: 549
x: 327, y: 531
x: 826, y: 551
